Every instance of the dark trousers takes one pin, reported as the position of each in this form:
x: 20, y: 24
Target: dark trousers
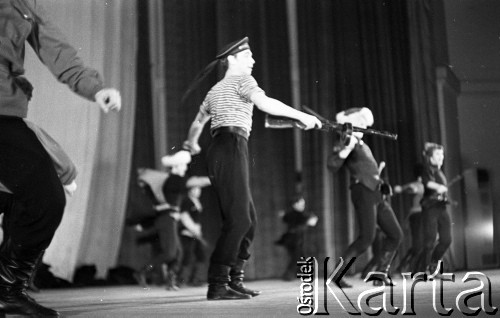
x: 295, y: 249
x: 412, y: 257
x: 435, y: 220
x: 193, y: 251
x: 171, y: 248
x: 228, y: 169
x: 38, y: 196
x: 372, y: 211
x: 193, y: 255
x: 415, y: 222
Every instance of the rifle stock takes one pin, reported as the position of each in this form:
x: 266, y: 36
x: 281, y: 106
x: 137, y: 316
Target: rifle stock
x: 277, y: 122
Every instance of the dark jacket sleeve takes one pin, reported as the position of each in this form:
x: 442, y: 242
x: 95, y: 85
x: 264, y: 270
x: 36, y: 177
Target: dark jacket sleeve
x: 334, y: 162
x: 61, y: 58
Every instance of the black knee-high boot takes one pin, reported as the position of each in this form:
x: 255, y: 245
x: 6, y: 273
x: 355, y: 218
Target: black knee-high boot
x: 237, y: 274
x: 370, y: 267
x: 218, y: 288
x: 405, y: 263
x: 194, y: 278
x: 141, y: 276
x: 16, y: 267
x: 31, y: 284
x: 170, y: 276
x: 384, y: 267
x: 338, y: 279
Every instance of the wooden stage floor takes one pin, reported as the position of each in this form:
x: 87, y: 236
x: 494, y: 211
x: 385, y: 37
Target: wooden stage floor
x: 278, y: 299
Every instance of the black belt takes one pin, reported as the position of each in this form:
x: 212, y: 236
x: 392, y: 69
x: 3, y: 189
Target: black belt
x: 10, y: 117
x: 168, y: 211
x: 230, y: 129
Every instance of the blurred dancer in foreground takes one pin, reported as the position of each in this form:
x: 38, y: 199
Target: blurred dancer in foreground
x: 26, y: 169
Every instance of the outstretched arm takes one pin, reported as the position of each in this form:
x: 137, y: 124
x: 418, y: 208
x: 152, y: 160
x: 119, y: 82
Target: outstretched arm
x: 197, y: 181
x: 414, y: 187
x: 189, y: 224
x: 275, y: 107
x: 439, y: 188
x: 63, y: 61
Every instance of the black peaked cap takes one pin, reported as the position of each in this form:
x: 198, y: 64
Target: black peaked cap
x: 229, y: 49
x: 233, y: 48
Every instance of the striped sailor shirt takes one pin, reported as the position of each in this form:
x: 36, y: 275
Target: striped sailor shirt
x: 228, y: 102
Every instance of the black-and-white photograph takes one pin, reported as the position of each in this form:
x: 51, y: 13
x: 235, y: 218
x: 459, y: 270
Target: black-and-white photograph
x: 249, y: 158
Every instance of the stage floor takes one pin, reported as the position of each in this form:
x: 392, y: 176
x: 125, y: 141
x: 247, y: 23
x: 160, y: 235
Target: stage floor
x: 278, y: 299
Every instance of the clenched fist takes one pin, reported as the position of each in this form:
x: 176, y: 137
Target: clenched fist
x: 109, y: 99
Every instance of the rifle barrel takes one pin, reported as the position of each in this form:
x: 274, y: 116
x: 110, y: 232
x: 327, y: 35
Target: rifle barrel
x: 338, y: 127
x: 284, y: 122
x: 376, y: 132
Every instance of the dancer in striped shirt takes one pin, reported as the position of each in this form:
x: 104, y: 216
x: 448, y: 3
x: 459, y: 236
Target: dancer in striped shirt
x: 229, y: 105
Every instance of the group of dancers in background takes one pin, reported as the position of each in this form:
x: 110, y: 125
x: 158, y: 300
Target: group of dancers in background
x: 33, y: 193
x: 378, y: 227
x: 371, y: 196
x: 229, y: 105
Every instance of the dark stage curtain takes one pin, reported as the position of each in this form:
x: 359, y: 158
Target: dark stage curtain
x: 138, y: 205
x: 353, y: 53
x: 194, y: 30
x: 356, y: 54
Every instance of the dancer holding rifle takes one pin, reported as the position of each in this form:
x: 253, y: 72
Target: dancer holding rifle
x: 229, y: 105
x: 356, y: 156
x: 344, y: 130
x: 435, y: 217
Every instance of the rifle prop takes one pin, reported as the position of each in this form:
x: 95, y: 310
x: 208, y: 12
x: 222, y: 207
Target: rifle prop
x: 345, y: 130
